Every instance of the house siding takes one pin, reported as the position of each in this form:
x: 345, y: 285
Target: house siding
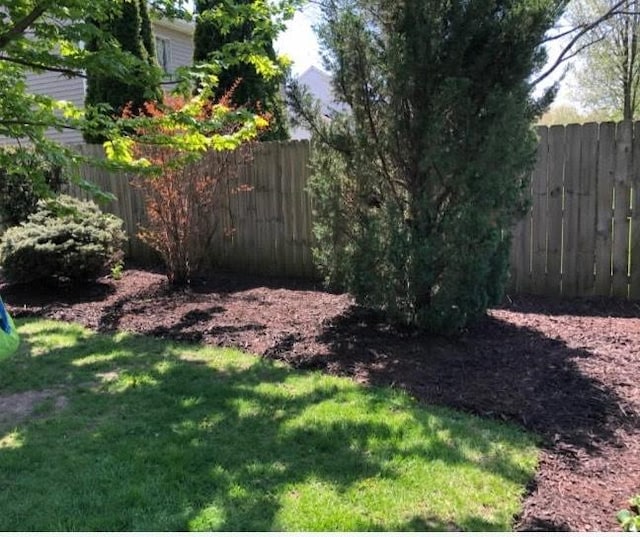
x: 181, y: 46
x: 319, y: 85
x: 60, y: 87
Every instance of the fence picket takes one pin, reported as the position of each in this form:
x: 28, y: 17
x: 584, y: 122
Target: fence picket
x: 579, y: 239
x: 539, y: 213
x: 554, y: 203
x: 604, y: 222
x: 622, y: 190
x: 634, y: 284
x: 571, y: 211
x: 587, y: 196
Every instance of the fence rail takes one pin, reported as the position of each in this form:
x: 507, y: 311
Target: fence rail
x: 580, y: 238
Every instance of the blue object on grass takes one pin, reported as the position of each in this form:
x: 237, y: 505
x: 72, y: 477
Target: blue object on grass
x: 9, y: 339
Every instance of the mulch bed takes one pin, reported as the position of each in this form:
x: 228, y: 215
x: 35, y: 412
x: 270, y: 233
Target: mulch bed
x: 567, y: 370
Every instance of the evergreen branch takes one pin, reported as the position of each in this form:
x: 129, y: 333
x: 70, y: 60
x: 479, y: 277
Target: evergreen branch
x: 374, y: 131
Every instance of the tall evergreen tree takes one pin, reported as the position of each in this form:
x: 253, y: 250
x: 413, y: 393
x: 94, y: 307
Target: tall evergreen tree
x: 418, y: 184
x: 226, y: 26
x: 130, y: 26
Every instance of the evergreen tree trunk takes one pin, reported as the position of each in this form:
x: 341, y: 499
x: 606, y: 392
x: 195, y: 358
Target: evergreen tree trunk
x: 146, y: 33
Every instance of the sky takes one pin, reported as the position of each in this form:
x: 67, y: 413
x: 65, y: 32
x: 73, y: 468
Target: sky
x: 299, y: 43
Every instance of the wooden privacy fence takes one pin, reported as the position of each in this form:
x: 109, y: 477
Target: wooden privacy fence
x: 582, y: 236
x: 272, y: 219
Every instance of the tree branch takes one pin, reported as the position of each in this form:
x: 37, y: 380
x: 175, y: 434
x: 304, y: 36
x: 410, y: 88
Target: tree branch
x: 42, y: 67
x: 566, y: 51
x: 37, y: 124
x: 22, y: 25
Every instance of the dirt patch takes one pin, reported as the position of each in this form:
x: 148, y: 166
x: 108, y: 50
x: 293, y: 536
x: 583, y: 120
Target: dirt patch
x: 566, y: 370
x: 17, y: 407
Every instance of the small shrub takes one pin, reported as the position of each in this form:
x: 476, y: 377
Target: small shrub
x: 630, y: 518
x: 116, y: 270
x: 25, y: 178
x: 185, y: 195
x: 64, y: 240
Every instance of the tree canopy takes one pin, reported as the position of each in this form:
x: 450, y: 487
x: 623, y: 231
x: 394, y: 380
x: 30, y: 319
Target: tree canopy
x: 418, y: 183
x: 131, y: 27
x: 50, y: 36
x: 607, y: 66
x: 224, y: 28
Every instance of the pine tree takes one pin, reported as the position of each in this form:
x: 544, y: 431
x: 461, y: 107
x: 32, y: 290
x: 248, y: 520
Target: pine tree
x: 248, y: 87
x: 418, y: 184
x: 131, y: 27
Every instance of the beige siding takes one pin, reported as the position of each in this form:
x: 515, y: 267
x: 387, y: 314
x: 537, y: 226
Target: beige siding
x: 61, y: 88
x: 181, y: 44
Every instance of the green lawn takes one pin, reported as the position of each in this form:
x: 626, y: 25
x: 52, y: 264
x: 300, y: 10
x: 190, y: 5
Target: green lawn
x: 135, y: 433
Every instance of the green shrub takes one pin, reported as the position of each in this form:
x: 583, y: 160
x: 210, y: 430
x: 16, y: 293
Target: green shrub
x: 25, y: 178
x: 64, y: 240
x: 417, y: 184
x: 629, y: 519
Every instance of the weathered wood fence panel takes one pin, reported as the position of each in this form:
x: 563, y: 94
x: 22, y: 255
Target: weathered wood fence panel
x: 271, y: 219
x: 580, y: 238
x: 585, y: 217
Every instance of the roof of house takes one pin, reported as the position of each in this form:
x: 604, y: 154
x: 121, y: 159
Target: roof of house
x: 178, y: 25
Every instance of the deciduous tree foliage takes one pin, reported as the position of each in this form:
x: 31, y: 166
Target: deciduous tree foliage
x: 607, y: 68
x: 418, y: 184
x: 223, y: 26
x: 49, y: 36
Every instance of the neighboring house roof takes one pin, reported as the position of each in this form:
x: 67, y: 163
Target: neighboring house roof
x: 174, y: 41
x: 318, y: 83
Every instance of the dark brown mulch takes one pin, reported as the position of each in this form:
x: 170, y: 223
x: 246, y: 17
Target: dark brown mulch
x: 565, y: 370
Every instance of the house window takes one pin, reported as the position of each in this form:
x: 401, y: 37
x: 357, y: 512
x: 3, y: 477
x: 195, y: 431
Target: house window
x: 163, y: 53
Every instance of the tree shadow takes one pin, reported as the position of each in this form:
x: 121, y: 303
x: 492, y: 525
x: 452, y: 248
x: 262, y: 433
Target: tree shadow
x: 497, y: 369
x: 157, y: 438
x: 42, y: 297
x: 228, y: 282
x: 576, y: 306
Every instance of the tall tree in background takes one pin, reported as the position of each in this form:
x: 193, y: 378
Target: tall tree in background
x: 417, y: 186
x: 130, y: 26
x: 223, y: 26
x: 607, y: 69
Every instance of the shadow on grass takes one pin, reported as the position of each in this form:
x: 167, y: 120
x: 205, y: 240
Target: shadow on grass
x: 497, y: 369
x: 160, y: 437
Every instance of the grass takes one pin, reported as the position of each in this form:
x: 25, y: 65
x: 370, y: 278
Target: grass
x: 136, y: 433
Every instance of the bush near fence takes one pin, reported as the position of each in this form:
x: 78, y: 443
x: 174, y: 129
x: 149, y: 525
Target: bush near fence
x: 272, y: 219
x: 581, y: 237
